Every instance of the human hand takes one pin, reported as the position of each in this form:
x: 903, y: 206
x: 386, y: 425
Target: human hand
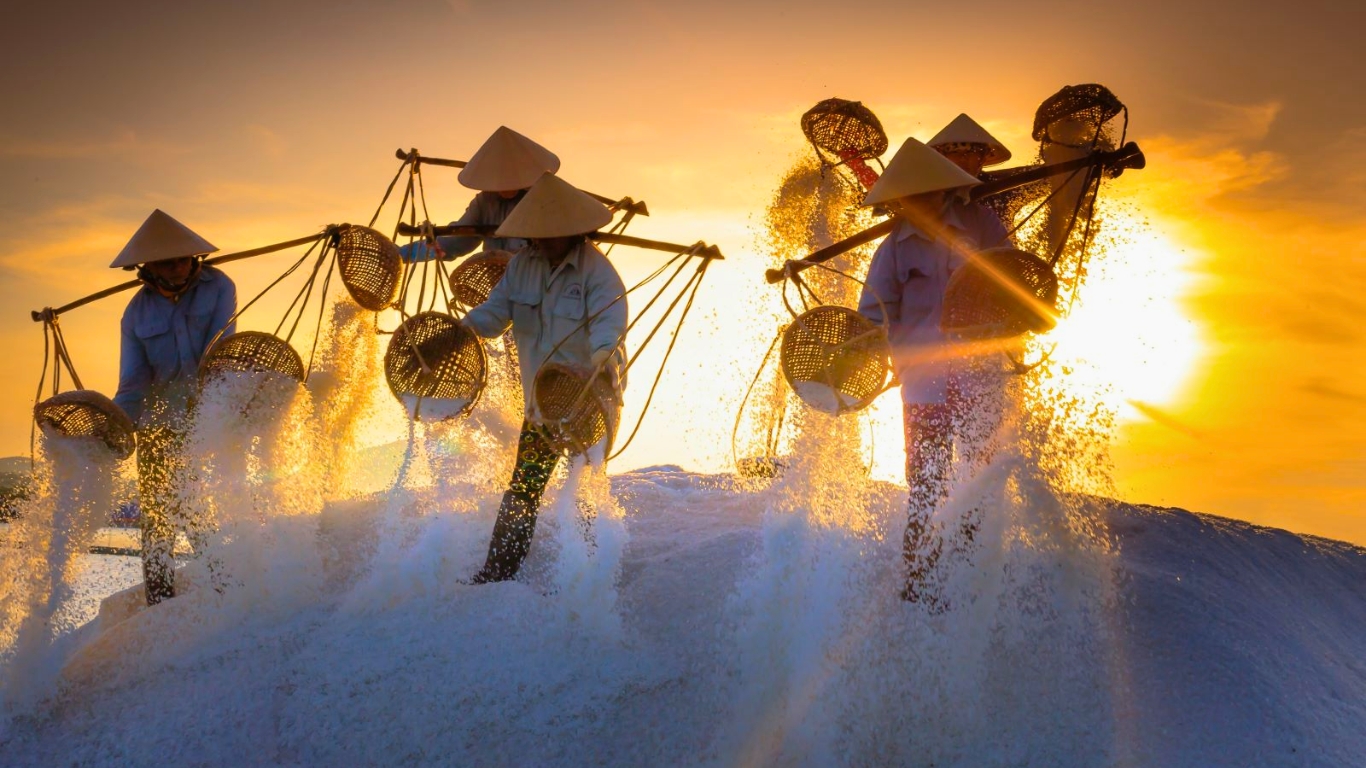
x: 600, y: 358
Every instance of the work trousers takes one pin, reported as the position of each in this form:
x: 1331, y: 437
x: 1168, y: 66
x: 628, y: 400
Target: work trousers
x: 159, y: 461
x: 516, y: 522
x: 963, y: 428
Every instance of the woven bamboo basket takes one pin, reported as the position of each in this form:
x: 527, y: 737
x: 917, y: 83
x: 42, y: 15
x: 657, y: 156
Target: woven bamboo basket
x: 1077, y: 115
x: 573, y: 420
x: 845, y: 128
x: 433, y: 357
x: 370, y: 266
x: 252, y: 352
x: 473, y: 280
x: 86, y: 414
x: 1000, y: 293
x: 836, y: 360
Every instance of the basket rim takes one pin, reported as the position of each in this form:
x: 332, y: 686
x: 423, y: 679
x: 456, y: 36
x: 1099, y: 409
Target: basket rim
x: 89, y: 398
x: 445, y: 318
x: 558, y: 437
x: 205, y: 371
x: 873, y: 331
x: 1043, y: 322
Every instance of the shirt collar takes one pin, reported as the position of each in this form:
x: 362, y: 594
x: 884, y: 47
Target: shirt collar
x: 572, y: 259
x: 950, y: 216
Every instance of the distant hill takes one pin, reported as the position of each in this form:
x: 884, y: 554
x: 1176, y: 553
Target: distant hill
x: 14, y: 478
x: 14, y: 465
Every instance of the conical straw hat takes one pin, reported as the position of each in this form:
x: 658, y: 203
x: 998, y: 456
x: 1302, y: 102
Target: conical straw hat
x: 554, y: 208
x: 965, y: 130
x: 506, y: 162
x: 915, y: 170
x: 161, y: 238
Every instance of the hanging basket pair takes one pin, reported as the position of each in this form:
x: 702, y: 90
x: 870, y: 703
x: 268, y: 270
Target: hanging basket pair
x: 86, y: 414
x: 838, y: 361
x: 438, y: 368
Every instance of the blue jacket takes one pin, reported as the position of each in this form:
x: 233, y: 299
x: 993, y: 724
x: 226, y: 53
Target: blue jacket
x: 906, y: 280
x: 163, y: 342
x: 488, y: 209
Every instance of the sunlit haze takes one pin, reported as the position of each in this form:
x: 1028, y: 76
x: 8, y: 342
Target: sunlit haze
x: 1222, y: 319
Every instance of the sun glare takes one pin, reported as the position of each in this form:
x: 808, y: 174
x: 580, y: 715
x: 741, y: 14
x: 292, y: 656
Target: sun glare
x: 1127, y: 342
x: 1128, y: 338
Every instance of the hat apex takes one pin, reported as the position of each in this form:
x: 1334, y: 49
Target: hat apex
x: 161, y: 238
x: 507, y: 161
x: 965, y: 130
x: 915, y: 170
x: 554, y: 208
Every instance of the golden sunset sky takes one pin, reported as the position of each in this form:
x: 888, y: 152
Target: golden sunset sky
x: 1230, y: 329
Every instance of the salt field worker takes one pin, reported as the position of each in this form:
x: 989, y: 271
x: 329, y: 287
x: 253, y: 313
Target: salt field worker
x: 905, y: 287
x: 968, y: 145
x: 979, y: 384
x: 564, y: 301
x: 502, y: 170
x: 166, y: 329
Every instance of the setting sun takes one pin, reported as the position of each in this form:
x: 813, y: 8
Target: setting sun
x: 1130, y: 339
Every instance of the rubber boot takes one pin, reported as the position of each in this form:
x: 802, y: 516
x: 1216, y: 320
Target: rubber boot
x: 511, y: 540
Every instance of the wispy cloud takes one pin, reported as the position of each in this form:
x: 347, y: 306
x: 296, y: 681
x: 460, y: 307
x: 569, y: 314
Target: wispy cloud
x: 1323, y: 388
x: 1166, y: 419
x: 123, y: 144
x: 266, y: 141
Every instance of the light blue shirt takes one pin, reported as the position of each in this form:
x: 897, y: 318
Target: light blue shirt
x: 547, y: 309
x: 163, y: 342
x: 486, y: 209
x: 906, y: 280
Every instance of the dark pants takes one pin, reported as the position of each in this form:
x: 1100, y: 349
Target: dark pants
x: 516, y: 523
x: 966, y: 421
x: 929, y: 457
x: 159, y: 458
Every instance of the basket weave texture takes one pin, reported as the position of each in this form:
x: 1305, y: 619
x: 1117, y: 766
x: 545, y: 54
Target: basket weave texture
x: 85, y: 413
x: 473, y: 280
x: 456, y: 366
x: 573, y: 420
x: 252, y: 352
x: 837, y: 348
x: 1000, y: 293
x: 1090, y: 105
x: 370, y: 266
x: 843, y: 128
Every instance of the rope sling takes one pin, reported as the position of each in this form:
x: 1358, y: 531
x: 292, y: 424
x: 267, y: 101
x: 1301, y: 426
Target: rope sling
x: 263, y: 355
x: 999, y: 293
x: 432, y: 359
x: 84, y: 414
x: 576, y: 409
x: 81, y: 414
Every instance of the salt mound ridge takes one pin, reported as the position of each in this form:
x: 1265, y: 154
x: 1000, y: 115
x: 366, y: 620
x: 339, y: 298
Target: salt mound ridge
x: 735, y: 635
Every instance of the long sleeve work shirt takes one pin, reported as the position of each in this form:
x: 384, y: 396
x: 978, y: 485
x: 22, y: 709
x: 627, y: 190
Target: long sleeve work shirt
x: 560, y: 315
x: 488, y: 209
x: 162, y: 342
x: 906, y: 282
